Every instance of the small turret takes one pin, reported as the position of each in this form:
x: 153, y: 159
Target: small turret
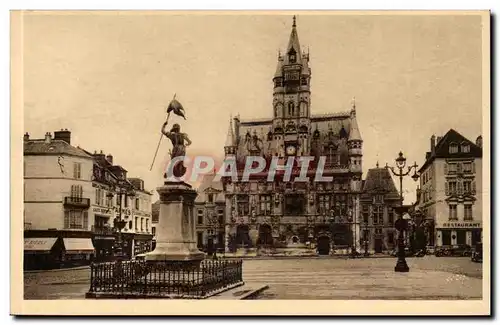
x: 355, y: 142
x: 230, y: 146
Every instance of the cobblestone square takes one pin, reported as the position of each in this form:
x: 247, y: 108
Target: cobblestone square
x: 314, y: 278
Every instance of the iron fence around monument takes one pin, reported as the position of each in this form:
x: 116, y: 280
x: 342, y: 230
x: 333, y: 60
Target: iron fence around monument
x: 141, y: 279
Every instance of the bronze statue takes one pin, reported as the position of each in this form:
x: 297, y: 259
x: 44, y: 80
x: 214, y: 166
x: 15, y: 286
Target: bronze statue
x: 179, y: 143
x: 179, y: 140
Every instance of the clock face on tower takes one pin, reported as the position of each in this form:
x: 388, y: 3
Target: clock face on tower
x: 290, y: 150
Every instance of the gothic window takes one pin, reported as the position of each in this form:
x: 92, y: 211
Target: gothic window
x: 324, y: 204
x: 265, y: 204
x: 291, y: 109
x: 378, y: 214
x: 243, y: 205
x: 390, y: 215
x: 294, y: 204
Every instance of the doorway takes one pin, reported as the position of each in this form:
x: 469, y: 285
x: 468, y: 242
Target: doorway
x: 265, y: 236
x: 378, y: 245
x: 324, y: 245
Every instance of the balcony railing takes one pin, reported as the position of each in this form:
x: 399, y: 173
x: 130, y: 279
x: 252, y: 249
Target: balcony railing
x: 102, y: 230
x: 77, y: 202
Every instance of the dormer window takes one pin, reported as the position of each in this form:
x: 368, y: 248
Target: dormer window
x: 465, y: 147
x: 453, y: 148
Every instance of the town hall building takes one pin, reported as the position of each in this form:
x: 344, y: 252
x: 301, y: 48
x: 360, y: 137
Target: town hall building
x: 295, y: 215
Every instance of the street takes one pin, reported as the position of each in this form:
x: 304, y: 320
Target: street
x: 314, y: 278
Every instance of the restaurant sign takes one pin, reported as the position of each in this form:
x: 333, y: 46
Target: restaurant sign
x: 462, y: 225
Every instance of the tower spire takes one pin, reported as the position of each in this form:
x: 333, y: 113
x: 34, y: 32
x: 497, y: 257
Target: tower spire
x: 230, y: 133
x: 293, y: 54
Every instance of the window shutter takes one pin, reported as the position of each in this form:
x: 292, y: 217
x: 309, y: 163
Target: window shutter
x: 446, y: 188
x: 66, y: 219
x: 474, y: 187
x: 473, y: 167
x: 80, y: 191
x: 459, y: 168
x: 445, y: 168
x: 85, y: 219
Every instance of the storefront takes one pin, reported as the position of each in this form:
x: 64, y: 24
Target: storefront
x: 142, y: 244
x: 458, y: 233
x: 41, y: 253
x: 77, y: 251
x: 104, y: 236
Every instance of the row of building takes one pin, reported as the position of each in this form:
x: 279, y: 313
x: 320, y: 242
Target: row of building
x: 80, y: 206
x: 352, y: 210
x: 76, y: 202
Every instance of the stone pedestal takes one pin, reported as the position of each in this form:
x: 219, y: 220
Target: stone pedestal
x: 175, y: 231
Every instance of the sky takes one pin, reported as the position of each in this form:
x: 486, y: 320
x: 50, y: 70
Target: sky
x: 109, y: 77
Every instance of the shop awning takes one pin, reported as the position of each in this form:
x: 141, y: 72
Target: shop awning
x: 78, y: 245
x: 39, y: 245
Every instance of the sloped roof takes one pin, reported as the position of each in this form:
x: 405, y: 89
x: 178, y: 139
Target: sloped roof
x: 354, y: 134
x: 442, y: 148
x: 379, y: 181
x: 293, y: 43
x: 54, y: 147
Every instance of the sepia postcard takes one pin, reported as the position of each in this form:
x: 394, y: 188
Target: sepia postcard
x: 250, y: 163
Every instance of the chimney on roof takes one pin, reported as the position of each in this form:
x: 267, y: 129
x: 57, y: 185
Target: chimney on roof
x: 26, y: 136
x: 433, y: 143
x: 63, y: 135
x: 479, y: 141
x: 48, y: 137
x: 438, y: 139
x: 109, y: 158
x: 427, y: 155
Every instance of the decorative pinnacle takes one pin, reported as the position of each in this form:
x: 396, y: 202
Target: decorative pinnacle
x: 294, y: 22
x: 377, y: 163
x: 353, y: 102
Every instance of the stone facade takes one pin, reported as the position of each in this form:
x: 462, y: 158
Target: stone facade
x: 295, y: 214
x: 378, y: 200
x: 450, y: 194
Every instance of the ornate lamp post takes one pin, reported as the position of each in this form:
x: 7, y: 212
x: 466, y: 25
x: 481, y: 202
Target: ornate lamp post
x: 366, y: 237
x: 213, y: 230
x: 119, y: 223
x: 401, y: 225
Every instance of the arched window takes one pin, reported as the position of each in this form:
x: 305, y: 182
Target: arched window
x: 453, y: 148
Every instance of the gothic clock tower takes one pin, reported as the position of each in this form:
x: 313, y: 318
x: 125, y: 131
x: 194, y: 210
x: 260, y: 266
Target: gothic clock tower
x: 291, y: 100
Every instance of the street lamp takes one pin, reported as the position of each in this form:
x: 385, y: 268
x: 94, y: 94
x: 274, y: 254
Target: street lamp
x: 401, y: 224
x: 119, y: 223
x: 366, y: 236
